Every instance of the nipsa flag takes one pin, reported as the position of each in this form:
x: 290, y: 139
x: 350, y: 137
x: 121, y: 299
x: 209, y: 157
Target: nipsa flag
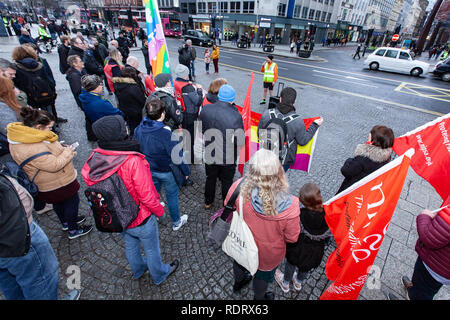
x: 359, y: 217
x: 431, y: 160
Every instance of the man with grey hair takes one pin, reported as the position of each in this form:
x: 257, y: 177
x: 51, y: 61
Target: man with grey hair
x: 8, y: 70
x: 193, y: 57
x: 114, y: 43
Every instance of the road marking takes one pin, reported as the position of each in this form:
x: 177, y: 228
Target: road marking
x: 338, y: 79
x: 405, y: 106
x: 334, y: 74
x: 424, y: 91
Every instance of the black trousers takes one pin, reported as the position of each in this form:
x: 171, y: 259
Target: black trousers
x: 225, y: 173
x: 424, y: 286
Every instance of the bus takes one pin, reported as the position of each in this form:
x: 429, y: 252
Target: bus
x: 170, y: 20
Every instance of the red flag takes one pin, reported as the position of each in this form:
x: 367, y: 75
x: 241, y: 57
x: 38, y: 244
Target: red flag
x: 359, y: 217
x: 246, y: 118
x: 431, y: 160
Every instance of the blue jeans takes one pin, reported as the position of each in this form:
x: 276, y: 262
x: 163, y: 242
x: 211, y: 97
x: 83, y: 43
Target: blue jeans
x: 146, y: 234
x: 33, y: 276
x: 167, y: 180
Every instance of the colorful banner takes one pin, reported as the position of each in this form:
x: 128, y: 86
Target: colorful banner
x: 304, y: 153
x: 157, y: 47
x: 246, y: 118
x: 359, y: 217
x: 431, y: 160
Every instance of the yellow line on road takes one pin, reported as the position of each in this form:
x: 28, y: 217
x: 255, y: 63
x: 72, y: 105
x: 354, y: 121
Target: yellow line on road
x: 405, y: 106
x: 438, y: 94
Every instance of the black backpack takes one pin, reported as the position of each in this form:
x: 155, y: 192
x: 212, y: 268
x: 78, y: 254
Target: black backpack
x: 14, y: 229
x: 112, y: 205
x: 15, y: 171
x: 174, y: 112
x: 274, y: 135
x: 40, y: 93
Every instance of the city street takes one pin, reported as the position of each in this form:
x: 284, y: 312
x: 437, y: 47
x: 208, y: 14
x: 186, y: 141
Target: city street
x: 349, y: 98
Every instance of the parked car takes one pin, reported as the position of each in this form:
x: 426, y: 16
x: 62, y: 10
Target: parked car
x: 442, y: 70
x: 396, y: 60
x: 198, y: 38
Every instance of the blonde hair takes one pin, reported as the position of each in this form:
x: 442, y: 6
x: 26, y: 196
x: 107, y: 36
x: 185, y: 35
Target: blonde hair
x: 8, y: 95
x: 116, y: 55
x: 267, y: 175
x: 215, y: 85
x: 22, y: 52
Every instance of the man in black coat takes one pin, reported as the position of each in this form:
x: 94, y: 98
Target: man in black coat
x: 77, y: 47
x: 63, y: 52
x: 73, y: 75
x: 124, y: 46
x: 222, y: 116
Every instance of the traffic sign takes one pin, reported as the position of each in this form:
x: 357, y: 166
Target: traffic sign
x: 395, y: 37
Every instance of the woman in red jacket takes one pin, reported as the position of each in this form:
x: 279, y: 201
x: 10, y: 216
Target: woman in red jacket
x: 273, y: 216
x: 117, y: 154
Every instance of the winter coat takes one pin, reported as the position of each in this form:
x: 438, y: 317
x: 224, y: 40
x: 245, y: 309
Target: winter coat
x: 63, y: 53
x: 7, y: 115
x: 76, y: 51
x: 367, y: 159
x: 96, y: 107
x: 134, y: 171
x: 222, y: 116
x: 74, y: 78
x: 112, y: 69
x: 131, y: 98
x: 185, y: 56
x: 56, y: 169
x: 271, y: 233
x: 296, y: 131
x: 215, y: 53
x: 91, y: 64
x: 26, y: 39
x: 192, y: 97
x: 433, y: 245
x: 146, y: 59
x: 156, y: 143
x: 307, y: 252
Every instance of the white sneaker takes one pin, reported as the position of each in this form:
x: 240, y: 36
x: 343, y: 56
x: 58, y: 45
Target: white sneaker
x: 279, y: 276
x: 183, y: 221
x: 297, y: 285
x: 48, y: 207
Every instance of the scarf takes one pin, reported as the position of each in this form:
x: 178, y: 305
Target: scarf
x: 18, y: 132
x: 124, y: 145
x: 168, y: 90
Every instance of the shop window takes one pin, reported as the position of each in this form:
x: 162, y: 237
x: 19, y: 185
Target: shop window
x: 305, y: 12
x: 282, y: 9
x: 297, y: 9
x: 311, y: 14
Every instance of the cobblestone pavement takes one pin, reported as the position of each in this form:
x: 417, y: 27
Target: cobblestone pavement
x: 206, y: 273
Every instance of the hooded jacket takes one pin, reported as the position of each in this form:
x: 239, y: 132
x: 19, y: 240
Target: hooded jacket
x: 367, y: 158
x: 76, y: 51
x: 63, y: 53
x: 131, y: 98
x: 156, y: 143
x: 74, y: 78
x: 134, y: 171
x: 271, y: 233
x: 95, y: 107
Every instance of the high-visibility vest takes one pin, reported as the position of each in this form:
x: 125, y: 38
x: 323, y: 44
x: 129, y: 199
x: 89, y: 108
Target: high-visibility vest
x: 43, y: 33
x: 179, y: 85
x: 269, y: 72
x: 6, y: 22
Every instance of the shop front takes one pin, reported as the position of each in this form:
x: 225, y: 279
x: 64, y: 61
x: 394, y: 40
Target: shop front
x: 202, y: 22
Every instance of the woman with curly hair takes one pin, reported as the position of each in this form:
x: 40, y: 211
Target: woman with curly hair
x: 273, y: 216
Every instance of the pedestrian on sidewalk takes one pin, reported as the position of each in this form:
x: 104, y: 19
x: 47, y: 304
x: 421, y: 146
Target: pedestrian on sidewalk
x: 118, y: 154
x: 307, y: 253
x: 207, y: 55
x: 358, y: 49
x: 272, y: 214
x: 155, y: 139
x: 270, y: 70
x: 292, y: 45
x: 215, y: 58
x: 53, y: 173
x: 431, y: 270
x: 299, y: 45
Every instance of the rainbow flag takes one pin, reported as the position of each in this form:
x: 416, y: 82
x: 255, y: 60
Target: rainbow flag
x: 157, y: 46
x: 304, y: 153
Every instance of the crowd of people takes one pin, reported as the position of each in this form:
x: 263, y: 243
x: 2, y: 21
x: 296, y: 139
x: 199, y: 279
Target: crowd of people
x: 136, y: 142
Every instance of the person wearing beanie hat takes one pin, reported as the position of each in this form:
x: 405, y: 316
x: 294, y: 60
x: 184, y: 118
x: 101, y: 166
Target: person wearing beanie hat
x: 270, y: 70
x: 296, y: 131
x: 165, y: 92
x: 223, y: 116
x: 118, y: 155
x: 190, y: 96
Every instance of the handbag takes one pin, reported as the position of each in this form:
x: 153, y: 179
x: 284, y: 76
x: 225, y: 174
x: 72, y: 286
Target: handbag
x: 180, y: 177
x: 240, y: 244
x: 219, y: 223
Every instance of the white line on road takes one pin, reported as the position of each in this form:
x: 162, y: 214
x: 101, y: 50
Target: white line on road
x: 334, y: 74
x: 338, y: 79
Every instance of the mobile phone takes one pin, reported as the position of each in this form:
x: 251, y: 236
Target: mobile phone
x: 74, y: 145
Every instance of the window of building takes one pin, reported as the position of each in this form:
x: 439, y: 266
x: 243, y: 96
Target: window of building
x: 326, y: 2
x: 305, y: 12
x: 212, y: 6
x: 282, y: 9
x: 201, y: 7
x: 235, y: 7
x: 184, y: 7
x: 223, y: 7
x: 297, y: 10
x: 324, y: 16
x: 311, y: 14
x: 331, y: 2
x: 248, y: 7
x: 318, y: 15
x: 329, y: 17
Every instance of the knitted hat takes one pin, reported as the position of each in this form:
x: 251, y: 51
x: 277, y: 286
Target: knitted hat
x: 162, y: 79
x: 110, y: 128
x: 182, y: 71
x: 226, y: 93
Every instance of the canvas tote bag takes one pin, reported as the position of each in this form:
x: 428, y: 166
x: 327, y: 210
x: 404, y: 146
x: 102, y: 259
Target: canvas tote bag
x: 240, y: 244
